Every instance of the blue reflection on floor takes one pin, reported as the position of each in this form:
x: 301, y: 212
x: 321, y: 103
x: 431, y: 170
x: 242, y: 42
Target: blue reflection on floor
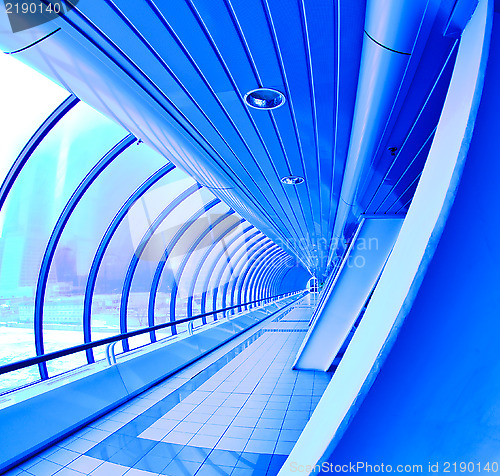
x: 125, y: 448
x: 255, y: 404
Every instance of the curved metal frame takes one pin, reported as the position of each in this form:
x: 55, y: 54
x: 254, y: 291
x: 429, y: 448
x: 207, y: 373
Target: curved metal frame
x: 215, y: 262
x: 260, y: 272
x: 35, y: 140
x: 200, y: 264
x: 242, y: 278
x: 80, y: 191
x: 270, y: 276
x: 245, y: 280
x: 263, y: 274
x: 236, y: 270
x: 129, y: 276
x: 274, y: 277
x: 266, y: 264
x: 103, y: 245
x: 251, y: 261
x: 255, y: 285
x: 187, y: 256
x: 250, y: 254
x: 278, y: 278
x: 255, y: 255
x: 229, y: 260
x: 253, y: 279
x: 286, y: 274
x: 176, y: 202
x: 263, y: 286
x: 57, y: 231
x: 166, y: 253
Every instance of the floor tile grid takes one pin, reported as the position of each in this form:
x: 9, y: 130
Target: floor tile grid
x: 177, y: 467
x: 290, y: 356
x: 174, y: 470
x: 282, y: 400
x: 208, y: 396
x: 248, y: 448
x: 263, y: 373
x: 235, y: 364
x: 175, y: 381
x: 257, y: 378
x: 83, y: 441
x: 282, y: 441
x: 271, y: 469
x: 163, y: 390
x: 104, y: 428
x: 201, y: 463
x: 200, y: 471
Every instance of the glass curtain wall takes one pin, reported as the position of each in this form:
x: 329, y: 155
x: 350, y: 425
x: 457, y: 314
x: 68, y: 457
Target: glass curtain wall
x: 100, y: 235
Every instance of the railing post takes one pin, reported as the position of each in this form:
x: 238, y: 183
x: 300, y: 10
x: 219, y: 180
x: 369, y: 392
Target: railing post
x: 110, y: 353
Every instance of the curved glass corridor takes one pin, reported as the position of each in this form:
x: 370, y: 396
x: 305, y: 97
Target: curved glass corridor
x: 233, y: 237
x: 100, y: 235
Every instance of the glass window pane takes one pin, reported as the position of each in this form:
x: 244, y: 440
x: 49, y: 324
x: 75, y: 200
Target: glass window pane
x: 33, y: 206
x: 27, y: 98
x: 220, y: 249
x: 224, y: 271
x: 80, y: 239
x: 121, y: 249
x: 199, y: 258
x: 194, y: 231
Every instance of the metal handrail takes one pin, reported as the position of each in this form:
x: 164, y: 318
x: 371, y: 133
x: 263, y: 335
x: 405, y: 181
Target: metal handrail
x: 21, y: 364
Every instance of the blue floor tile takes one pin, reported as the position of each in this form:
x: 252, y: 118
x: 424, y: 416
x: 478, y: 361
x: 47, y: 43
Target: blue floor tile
x: 253, y: 460
x: 165, y: 450
x: 191, y: 453
x: 126, y: 458
x: 103, y: 452
x: 154, y: 464
x: 223, y: 457
x: 214, y: 470
x: 181, y: 468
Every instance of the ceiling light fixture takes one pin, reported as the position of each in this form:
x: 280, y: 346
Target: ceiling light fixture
x: 292, y: 180
x: 264, y: 98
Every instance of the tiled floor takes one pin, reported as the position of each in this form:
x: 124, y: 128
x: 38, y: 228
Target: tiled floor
x: 238, y: 415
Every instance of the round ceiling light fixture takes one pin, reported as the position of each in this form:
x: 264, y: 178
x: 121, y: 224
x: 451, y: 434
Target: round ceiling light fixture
x: 292, y: 180
x: 264, y: 98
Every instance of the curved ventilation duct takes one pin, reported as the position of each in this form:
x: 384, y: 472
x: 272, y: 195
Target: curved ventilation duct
x: 391, y: 31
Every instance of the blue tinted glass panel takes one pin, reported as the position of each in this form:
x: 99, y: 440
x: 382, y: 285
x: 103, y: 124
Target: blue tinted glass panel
x: 232, y: 270
x: 190, y: 284
x: 122, y: 248
x: 27, y: 98
x: 82, y: 235
x: 223, y: 246
x: 172, y: 226
x: 147, y: 212
x: 193, y: 258
x: 32, y: 208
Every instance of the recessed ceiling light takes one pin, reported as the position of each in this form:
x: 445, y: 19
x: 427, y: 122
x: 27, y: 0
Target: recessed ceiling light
x: 292, y: 180
x: 264, y: 98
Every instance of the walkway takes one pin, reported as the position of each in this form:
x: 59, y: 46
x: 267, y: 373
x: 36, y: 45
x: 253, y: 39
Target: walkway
x: 236, y: 412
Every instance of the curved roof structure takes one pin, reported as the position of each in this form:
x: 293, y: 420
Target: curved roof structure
x: 264, y: 225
